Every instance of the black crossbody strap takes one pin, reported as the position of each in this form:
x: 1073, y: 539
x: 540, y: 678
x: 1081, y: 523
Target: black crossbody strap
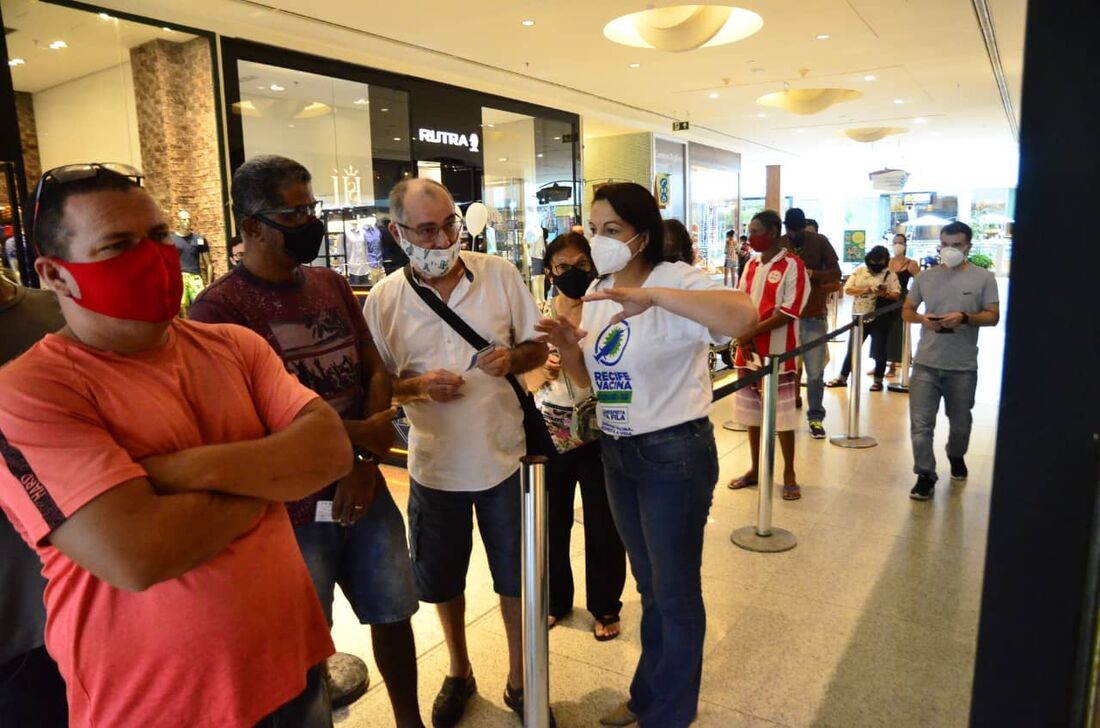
x: 463, y: 329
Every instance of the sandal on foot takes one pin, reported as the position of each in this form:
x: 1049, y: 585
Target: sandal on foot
x: 876, y: 387
x: 743, y: 482
x: 606, y: 621
x: 838, y: 382
x: 791, y: 492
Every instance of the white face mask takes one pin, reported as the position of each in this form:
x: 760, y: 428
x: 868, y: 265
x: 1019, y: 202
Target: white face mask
x: 610, y: 255
x: 952, y: 257
x: 431, y: 262
x: 899, y: 250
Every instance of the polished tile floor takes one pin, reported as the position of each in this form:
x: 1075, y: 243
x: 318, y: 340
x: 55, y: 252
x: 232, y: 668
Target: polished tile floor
x: 870, y: 621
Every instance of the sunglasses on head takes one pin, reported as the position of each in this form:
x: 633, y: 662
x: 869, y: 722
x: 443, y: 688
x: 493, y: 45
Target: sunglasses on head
x: 75, y: 173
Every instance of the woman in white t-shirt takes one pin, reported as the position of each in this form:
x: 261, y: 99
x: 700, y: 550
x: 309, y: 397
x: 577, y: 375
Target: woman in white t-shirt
x: 569, y: 267
x: 643, y: 342
x: 872, y: 286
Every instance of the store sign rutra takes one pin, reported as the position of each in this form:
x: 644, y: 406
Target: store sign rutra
x: 450, y: 139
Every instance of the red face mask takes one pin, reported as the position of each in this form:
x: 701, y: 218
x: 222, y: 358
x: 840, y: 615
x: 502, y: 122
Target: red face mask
x: 759, y: 242
x: 143, y: 284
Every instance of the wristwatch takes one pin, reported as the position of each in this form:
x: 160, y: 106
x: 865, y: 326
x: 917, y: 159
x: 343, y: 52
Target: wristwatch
x: 365, y: 456
x: 966, y: 318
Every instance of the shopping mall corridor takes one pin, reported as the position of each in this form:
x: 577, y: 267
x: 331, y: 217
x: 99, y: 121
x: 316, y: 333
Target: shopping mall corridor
x: 871, y: 620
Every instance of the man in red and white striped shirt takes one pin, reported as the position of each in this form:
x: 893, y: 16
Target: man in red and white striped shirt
x: 778, y: 284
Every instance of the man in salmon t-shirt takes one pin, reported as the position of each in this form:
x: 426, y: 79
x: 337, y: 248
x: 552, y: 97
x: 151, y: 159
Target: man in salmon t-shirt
x: 144, y: 457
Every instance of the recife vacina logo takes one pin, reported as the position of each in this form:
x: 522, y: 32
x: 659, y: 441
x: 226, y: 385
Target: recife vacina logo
x: 611, y: 343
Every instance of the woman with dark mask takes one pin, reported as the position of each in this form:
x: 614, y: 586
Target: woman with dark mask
x: 678, y: 243
x: 643, y: 343
x: 569, y: 268
x: 905, y: 268
x: 873, y: 286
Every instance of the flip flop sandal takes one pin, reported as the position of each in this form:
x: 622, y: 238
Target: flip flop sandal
x: 791, y: 492
x: 876, y: 387
x: 607, y: 620
x: 838, y: 382
x: 742, y: 482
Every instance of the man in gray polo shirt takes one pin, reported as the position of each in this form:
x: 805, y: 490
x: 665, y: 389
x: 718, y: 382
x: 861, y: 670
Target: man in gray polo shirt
x: 958, y: 298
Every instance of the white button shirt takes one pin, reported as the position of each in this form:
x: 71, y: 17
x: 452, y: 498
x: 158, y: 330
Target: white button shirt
x: 475, y: 442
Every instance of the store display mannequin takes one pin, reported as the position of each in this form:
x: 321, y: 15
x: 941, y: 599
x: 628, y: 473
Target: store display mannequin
x: 356, y: 246
x: 373, y: 238
x: 194, y: 253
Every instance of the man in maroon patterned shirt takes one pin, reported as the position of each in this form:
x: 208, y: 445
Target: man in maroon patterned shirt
x: 350, y: 533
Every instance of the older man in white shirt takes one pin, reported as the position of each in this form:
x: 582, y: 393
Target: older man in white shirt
x: 467, y: 434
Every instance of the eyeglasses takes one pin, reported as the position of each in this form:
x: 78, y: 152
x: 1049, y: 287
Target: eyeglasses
x: 292, y: 215
x: 75, y: 173
x: 427, y: 234
x: 236, y: 257
x: 562, y: 268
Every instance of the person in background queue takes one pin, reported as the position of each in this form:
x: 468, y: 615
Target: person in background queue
x: 236, y: 251
x: 678, y: 243
x: 959, y: 298
x: 351, y: 533
x: 731, y: 267
x: 779, y: 287
x: 872, y: 286
x: 817, y: 254
x: 906, y: 269
x: 570, y: 266
x: 32, y: 692
x: 744, y: 255
x: 643, y: 344
x: 466, y: 437
x: 146, y: 458
x: 811, y: 226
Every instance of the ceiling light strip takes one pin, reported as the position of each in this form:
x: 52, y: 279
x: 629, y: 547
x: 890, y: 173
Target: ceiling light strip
x: 989, y: 35
x: 497, y: 69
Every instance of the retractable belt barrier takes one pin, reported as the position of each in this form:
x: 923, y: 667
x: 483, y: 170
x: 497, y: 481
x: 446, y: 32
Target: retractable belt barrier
x: 762, y: 536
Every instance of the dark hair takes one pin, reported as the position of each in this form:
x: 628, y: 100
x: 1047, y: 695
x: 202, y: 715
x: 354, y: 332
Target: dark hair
x: 879, y: 252
x: 259, y: 182
x: 957, y: 227
x: 48, y: 229
x: 810, y: 221
x: 743, y: 239
x: 903, y: 236
x: 680, y: 239
x: 770, y: 219
x: 730, y: 233
x: 635, y: 204
x: 564, y: 242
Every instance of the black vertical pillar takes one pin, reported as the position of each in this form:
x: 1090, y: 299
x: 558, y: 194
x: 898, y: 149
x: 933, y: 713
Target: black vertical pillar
x: 1039, y: 601
x: 11, y: 150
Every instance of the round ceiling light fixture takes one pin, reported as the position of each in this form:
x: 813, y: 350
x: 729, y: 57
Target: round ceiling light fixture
x: 807, y: 101
x: 869, y: 134
x: 682, y: 28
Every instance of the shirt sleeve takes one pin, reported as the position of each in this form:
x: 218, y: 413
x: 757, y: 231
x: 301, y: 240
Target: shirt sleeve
x: 276, y: 393
x: 56, y: 452
x: 208, y: 310
x: 829, y: 262
x: 355, y: 314
x: 795, y: 289
x: 990, y: 294
x: 691, y: 278
x: 914, y: 295
x: 372, y: 316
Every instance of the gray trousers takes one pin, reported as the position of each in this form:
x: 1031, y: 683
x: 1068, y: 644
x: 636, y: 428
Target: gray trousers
x: 927, y: 386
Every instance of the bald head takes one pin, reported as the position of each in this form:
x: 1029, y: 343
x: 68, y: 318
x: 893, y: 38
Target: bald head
x: 412, y: 192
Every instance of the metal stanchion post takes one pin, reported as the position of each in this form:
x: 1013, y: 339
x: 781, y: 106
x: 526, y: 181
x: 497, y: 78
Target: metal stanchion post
x: 536, y: 595
x: 763, y: 537
x: 902, y: 385
x: 855, y: 349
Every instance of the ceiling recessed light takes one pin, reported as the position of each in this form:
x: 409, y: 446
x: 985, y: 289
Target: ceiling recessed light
x: 502, y: 159
x: 491, y: 126
x: 557, y: 139
x: 166, y: 29
x: 277, y: 87
x: 104, y: 16
x: 539, y: 155
x: 635, y: 65
x: 869, y: 77
x: 290, y: 125
x: 683, y: 27
x: 712, y: 95
x: 360, y: 102
x: 527, y: 23
x: 920, y: 120
x: 899, y: 101
x: 761, y: 115
x: 823, y: 36
x: 397, y: 139
x: 384, y: 110
x: 16, y: 62
x: 58, y: 45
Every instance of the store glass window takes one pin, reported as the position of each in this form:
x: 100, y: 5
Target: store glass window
x: 670, y: 184
x: 353, y: 138
x: 90, y: 87
x: 715, y: 193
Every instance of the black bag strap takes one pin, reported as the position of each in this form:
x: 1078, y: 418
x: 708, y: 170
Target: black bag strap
x: 463, y: 329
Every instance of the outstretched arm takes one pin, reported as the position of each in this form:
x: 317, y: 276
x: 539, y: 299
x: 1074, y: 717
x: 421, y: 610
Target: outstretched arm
x: 723, y: 312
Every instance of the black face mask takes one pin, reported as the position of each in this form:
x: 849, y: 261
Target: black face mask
x: 574, y: 282
x: 302, y: 243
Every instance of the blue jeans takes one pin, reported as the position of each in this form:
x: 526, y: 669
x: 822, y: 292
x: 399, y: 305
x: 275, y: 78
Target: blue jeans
x: 926, y: 387
x: 813, y: 362
x: 660, y: 486
x: 369, y: 560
